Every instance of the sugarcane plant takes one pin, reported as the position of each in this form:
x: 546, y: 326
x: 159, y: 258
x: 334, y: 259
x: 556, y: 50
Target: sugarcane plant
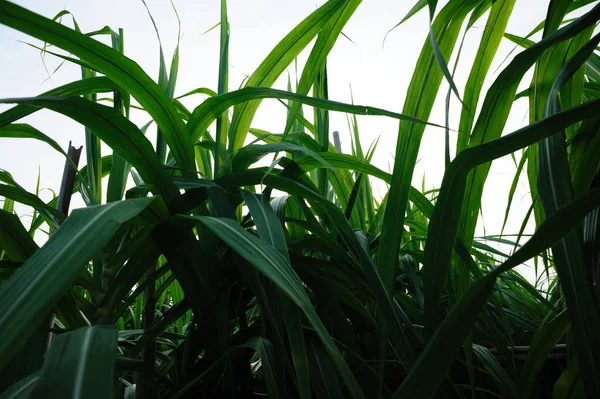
x: 201, y: 273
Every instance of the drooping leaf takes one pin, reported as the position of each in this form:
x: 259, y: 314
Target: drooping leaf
x: 209, y: 110
x: 117, y: 131
x: 120, y: 69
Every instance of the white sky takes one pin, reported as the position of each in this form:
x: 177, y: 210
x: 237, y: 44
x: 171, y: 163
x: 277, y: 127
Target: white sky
x: 379, y: 77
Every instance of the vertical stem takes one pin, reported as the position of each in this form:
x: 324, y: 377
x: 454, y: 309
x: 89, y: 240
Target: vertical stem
x: 64, y: 201
x: 146, y: 387
x: 68, y: 180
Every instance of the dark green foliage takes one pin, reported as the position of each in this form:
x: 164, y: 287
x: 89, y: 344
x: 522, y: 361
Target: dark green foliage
x: 296, y: 280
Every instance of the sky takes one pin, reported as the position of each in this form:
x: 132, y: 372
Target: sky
x: 377, y: 72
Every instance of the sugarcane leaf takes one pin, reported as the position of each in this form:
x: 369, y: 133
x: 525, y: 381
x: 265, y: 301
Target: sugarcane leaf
x: 275, y: 267
x: 14, y: 239
x: 441, y: 350
x: 79, y: 364
x: 543, y: 343
x: 210, y: 109
x: 89, y: 85
x: 323, y: 45
x: 117, y: 131
x: 126, y: 73
x: 275, y: 63
x: 39, y: 283
x: 22, y: 388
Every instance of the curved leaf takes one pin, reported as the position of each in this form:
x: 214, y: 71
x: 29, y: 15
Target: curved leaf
x: 90, y: 85
x: 443, y: 227
x: 209, y: 110
x: 117, y: 131
x: 123, y: 71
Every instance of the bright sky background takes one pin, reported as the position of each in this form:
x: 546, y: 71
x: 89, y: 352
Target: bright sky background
x: 379, y: 76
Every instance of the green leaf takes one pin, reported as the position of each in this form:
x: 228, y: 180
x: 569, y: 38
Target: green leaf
x: 209, y: 110
x: 22, y: 131
x: 324, y: 379
x: 271, y: 231
x: 442, y: 349
x: 252, y: 153
x: 123, y: 71
x: 513, y: 188
x: 163, y: 82
x: 490, y: 42
x: 265, y: 350
x: 15, y: 241
x: 437, y: 52
x: 120, y: 168
x: 275, y: 267
x: 543, y: 343
x: 402, y: 331
x: 496, y: 108
x: 420, y: 97
x: 222, y: 120
x: 569, y: 384
x: 38, y: 284
x: 22, y: 388
x: 17, y: 194
x: 293, y: 322
x: 443, y: 227
x: 275, y: 63
x: 79, y: 364
x: 492, y: 365
x: 546, y: 69
x: 556, y: 190
x: 90, y: 85
x: 318, y: 55
x: 116, y: 131
x: 415, y: 9
x: 488, y: 127
x: 133, y: 259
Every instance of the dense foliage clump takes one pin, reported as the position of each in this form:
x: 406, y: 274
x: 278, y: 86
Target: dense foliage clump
x: 200, y: 273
